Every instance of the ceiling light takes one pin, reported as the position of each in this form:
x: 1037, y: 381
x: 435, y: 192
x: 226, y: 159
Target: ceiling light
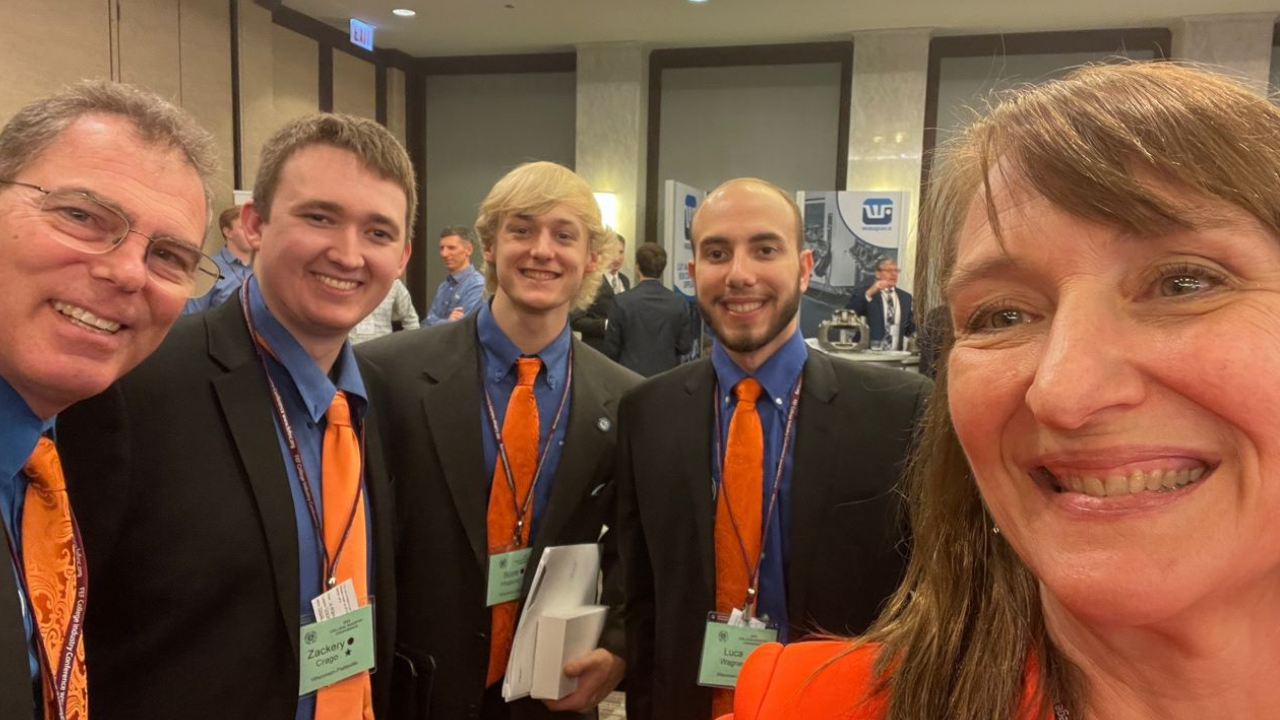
x: 404, y: 12
x: 697, y: 2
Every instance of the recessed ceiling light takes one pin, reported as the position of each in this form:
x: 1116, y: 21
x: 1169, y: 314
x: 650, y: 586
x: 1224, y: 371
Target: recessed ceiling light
x: 404, y: 12
x: 697, y: 2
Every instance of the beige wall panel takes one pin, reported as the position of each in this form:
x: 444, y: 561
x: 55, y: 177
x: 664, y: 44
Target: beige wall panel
x: 149, y: 52
x: 354, y: 86
x: 257, y: 86
x: 206, y: 86
x: 73, y: 42
x: 297, y: 75
x: 396, y: 105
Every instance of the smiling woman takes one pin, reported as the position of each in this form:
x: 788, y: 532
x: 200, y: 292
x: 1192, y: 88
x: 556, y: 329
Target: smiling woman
x: 1094, y: 497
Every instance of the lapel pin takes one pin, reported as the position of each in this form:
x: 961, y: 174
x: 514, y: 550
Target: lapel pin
x: 604, y: 424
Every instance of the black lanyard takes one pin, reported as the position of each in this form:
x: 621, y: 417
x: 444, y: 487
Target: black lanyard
x: 61, y: 676
x: 329, y: 566
x: 788, y: 434
x: 521, y: 508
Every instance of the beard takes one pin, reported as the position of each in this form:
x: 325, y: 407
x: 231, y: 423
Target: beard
x: 744, y: 342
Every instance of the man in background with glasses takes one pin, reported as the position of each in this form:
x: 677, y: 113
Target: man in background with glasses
x: 103, y: 206
x: 245, y: 544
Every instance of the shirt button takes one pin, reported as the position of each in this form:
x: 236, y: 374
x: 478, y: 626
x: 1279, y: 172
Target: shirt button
x: 777, y: 401
x: 311, y: 425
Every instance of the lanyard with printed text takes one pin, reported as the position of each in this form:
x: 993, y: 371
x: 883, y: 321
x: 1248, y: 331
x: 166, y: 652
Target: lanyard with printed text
x: 521, y: 508
x: 788, y: 434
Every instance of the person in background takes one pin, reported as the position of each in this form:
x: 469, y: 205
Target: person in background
x: 761, y: 483
x: 104, y: 197
x: 395, y: 308
x: 590, y: 322
x: 1094, y: 498
x: 648, y: 329
x: 886, y: 307
x: 239, y: 491
x: 235, y: 264
x: 462, y: 291
x: 501, y: 440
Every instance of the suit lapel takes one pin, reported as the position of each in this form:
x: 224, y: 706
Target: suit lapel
x: 592, y: 416
x: 451, y: 402
x: 242, y: 394
x: 696, y: 466
x: 381, y: 512
x: 15, y: 672
x: 813, y: 468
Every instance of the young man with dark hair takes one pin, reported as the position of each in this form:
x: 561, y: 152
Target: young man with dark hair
x: 649, y: 329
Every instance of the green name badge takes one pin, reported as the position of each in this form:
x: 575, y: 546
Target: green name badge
x: 335, y: 649
x: 725, y: 649
x: 506, y: 576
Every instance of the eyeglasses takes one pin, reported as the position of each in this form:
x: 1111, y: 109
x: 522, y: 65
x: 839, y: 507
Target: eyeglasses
x: 85, y: 224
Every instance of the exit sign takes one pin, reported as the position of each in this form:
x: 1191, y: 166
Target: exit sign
x: 361, y: 34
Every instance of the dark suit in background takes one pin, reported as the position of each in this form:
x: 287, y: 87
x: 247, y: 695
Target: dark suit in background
x: 192, y: 542
x: 648, y: 329
x: 591, y: 322
x: 847, y: 547
x: 17, y: 692
x: 426, y: 385
x: 873, y: 311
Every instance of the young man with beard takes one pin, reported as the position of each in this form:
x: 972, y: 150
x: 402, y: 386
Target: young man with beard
x: 757, y: 484
x: 103, y: 208
x: 239, y: 495
x: 501, y: 432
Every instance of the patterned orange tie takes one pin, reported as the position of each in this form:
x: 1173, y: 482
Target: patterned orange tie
x: 738, y: 513
x: 520, y: 437
x: 57, y: 583
x: 352, y: 698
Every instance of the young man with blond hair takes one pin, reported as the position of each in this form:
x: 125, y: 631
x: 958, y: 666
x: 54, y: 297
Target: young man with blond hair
x: 502, y: 430
x: 243, y: 507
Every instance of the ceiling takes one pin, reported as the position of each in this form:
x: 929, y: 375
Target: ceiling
x: 484, y: 27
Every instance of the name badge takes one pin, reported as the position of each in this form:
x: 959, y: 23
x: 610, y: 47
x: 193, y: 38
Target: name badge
x: 726, y: 643
x: 336, y: 649
x: 506, y: 576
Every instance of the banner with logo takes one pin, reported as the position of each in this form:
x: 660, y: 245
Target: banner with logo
x: 847, y: 232
x: 681, y: 201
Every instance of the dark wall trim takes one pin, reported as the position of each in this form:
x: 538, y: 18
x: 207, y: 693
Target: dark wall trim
x: 415, y: 132
x: 326, y: 77
x: 237, y: 136
x: 741, y: 56
x: 500, y: 64
x: 1275, y: 36
x: 337, y: 39
x: 1044, y: 43
x: 380, y: 94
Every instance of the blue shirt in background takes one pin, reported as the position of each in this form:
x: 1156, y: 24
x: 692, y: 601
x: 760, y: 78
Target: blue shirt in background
x: 234, y: 273
x: 498, y: 357
x: 777, y: 377
x: 464, y: 289
x: 306, y: 393
x: 22, y: 429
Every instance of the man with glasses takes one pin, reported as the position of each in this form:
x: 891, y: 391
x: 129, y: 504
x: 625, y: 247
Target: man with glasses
x: 103, y: 206
x: 886, y: 307
x: 245, y: 542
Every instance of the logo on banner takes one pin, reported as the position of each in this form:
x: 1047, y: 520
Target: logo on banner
x: 877, y: 211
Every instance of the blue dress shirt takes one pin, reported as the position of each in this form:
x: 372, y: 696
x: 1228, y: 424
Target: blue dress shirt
x: 306, y: 393
x: 464, y: 288
x: 777, y: 376
x: 234, y: 273
x: 498, y: 357
x: 22, y: 429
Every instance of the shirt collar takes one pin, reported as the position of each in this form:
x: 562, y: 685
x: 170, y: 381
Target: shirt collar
x: 777, y: 375
x: 230, y: 257
x: 500, y: 353
x: 21, y: 431
x: 315, y: 388
x: 462, y: 274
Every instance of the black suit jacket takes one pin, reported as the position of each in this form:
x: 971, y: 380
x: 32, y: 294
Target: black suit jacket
x: 591, y: 322
x: 427, y: 383
x: 847, y: 534
x: 648, y: 329
x: 17, y: 692
x: 189, y: 528
x: 873, y: 311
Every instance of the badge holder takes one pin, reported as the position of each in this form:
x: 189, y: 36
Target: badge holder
x: 506, y: 575
x: 727, y: 642
x: 334, y: 644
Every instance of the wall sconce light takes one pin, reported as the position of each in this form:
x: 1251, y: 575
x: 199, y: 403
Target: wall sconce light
x: 608, y: 203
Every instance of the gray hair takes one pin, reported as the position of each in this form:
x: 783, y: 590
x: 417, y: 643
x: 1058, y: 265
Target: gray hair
x: 157, y: 121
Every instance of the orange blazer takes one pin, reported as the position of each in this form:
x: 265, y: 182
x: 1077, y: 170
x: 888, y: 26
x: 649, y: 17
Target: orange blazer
x: 806, y: 681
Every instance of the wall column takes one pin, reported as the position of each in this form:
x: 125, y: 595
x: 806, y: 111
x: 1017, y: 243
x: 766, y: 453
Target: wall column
x: 1239, y: 44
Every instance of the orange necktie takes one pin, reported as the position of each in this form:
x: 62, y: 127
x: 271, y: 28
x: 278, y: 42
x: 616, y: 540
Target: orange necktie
x: 520, y: 437
x: 349, y: 699
x: 48, y: 558
x: 738, y: 513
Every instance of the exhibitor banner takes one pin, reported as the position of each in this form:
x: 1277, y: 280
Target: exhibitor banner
x: 681, y: 201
